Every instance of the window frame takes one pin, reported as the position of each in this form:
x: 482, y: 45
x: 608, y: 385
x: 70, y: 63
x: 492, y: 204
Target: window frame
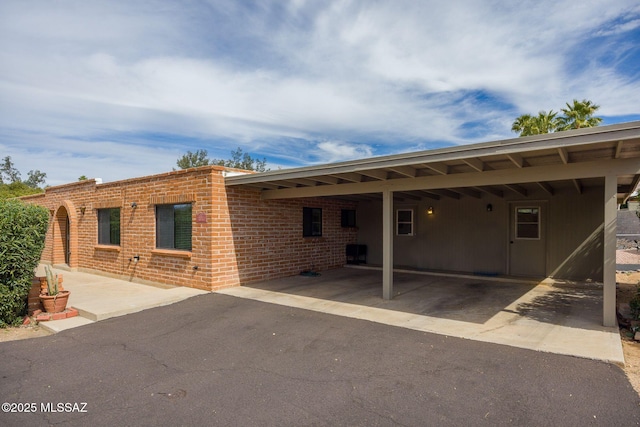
x: 166, y: 215
x: 411, y: 222
x: 112, y: 226
x: 308, y: 222
x: 517, y: 222
x: 348, y: 218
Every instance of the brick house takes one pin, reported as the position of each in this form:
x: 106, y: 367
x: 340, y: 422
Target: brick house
x: 539, y: 206
x: 135, y: 229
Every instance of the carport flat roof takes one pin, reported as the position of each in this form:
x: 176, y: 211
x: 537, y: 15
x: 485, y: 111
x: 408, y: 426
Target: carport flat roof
x: 576, y: 158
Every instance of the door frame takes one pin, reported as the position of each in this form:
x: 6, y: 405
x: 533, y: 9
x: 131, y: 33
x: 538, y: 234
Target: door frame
x: 543, y: 205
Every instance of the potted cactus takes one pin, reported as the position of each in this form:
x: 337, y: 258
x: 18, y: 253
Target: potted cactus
x: 54, y: 298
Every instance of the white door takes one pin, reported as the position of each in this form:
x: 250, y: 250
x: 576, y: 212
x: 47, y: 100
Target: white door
x: 527, y: 243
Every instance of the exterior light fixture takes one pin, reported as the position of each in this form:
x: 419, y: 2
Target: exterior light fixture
x: 489, y: 207
x: 134, y: 205
x: 83, y: 209
x: 430, y: 210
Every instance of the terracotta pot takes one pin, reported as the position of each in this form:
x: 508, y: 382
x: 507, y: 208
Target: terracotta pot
x: 56, y: 303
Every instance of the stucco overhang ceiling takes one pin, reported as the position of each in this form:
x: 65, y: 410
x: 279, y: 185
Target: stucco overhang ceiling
x: 577, y: 158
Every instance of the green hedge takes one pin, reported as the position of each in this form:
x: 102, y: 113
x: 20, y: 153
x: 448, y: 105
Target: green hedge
x: 23, y: 228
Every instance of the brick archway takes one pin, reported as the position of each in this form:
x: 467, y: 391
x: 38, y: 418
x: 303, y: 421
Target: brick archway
x: 65, y: 235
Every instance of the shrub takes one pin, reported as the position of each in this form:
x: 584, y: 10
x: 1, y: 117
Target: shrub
x: 23, y: 229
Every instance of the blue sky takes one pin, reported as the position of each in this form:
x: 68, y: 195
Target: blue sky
x: 117, y: 89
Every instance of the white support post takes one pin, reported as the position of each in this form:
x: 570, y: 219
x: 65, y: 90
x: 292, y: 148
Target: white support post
x: 609, y: 261
x: 387, y: 244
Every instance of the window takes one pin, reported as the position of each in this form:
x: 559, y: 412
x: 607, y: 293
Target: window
x: 528, y: 223
x: 404, y: 222
x: 311, y: 222
x: 348, y: 218
x: 109, y: 226
x: 173, y: 226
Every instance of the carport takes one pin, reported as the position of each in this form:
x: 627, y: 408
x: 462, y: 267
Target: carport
x: 562, y: 318
x: 556, y: 197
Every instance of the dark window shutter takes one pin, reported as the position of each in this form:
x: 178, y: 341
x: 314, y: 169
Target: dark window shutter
x: 103, y: 226
x: 164, y: 226
x: 307, y: 221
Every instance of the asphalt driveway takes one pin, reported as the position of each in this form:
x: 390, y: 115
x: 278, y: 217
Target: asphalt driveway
x: 220, y: 360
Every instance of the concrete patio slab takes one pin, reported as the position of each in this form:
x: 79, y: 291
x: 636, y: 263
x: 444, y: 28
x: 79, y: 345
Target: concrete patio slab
x: 551, y: 317
x: 101, y: 297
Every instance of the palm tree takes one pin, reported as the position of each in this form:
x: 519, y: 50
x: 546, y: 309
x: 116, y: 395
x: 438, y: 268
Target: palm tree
x: 547, y: 122
x: 579, y: 115
x: 544, y: 122
x: 524, y: 125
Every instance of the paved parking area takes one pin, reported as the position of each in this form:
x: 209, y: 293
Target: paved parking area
x: 560, y: 318
x: 220, y: 360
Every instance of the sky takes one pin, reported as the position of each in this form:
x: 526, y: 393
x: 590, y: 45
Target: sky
x: 117, y: 89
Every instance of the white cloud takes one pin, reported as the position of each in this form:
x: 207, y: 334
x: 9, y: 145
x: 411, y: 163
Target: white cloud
x: 364, y: 77
x: 335, y: 151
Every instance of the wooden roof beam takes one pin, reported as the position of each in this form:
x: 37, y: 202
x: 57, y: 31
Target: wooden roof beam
x: 419, y: 194
x: 351, y: 177
x: 440, y: 168
x: 475, y: 164
x: 430, y: 195
x: 375, y: 173
x: 446, y: 193
x: 402, y: 196
x: 469, y: 192
x: 618, y: 150
x: 516, y: 159
x: 517, y: 189
x: 490, y: 190
x: 407, y: 171
x: 546, y: 187
x: 564, y: 155
x: 298, y: 181
x: 578, y: 185
x: 489, y: 178
x: 325, y: 179
x: 285, y: 184
x: 263, y: 186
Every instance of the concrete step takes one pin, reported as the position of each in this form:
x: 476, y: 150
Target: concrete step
x: 55, y: 326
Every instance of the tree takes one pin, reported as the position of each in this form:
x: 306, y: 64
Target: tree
x: 523, y: 124
x: 17, y: 189
x: 547, y: 122
x: 575, y: 116
x: 239, y: 160
x: 8, y: 172
x: 193, y: 160
x: 82, y: 178
x: 12, y: 186
x: 544, y: 122
x: 579, y: 115
x: 35, y: 178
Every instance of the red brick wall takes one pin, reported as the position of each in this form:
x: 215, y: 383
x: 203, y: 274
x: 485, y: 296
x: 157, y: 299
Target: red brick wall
x: 236, y: 237
x: 266, y: 235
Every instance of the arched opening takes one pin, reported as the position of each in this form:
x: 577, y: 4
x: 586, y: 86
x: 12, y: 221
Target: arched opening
x: 65, y: 235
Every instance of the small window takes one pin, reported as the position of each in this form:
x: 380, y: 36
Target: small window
x: 348, y: 218
x: 404, y: 222
x: 528, y: 223
x: 173, y: 226
x: 109, y: 226
x: 311, y: 222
